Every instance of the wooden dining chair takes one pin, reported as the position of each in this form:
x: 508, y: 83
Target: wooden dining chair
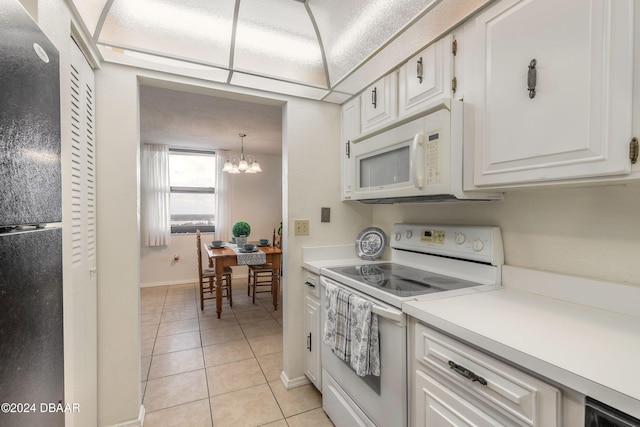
x: 259, y: 276
x: 207, y: 277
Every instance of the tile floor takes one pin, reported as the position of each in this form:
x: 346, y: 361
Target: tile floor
x: 198, y: 370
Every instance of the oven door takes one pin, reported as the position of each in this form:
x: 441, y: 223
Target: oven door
x: 351, y: 400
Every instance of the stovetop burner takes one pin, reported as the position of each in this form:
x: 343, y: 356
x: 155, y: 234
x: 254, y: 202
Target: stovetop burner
x: 400, y: 280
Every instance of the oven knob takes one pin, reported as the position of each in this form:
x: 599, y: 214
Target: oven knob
x: 409, y: 234
x: 478, y: 245
x: 460, y: 238
x: 398, y: 237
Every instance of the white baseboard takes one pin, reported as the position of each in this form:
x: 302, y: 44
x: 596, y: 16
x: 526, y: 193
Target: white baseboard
x: 174, y: 282
x: 293, y: 383
x: 133, y: 423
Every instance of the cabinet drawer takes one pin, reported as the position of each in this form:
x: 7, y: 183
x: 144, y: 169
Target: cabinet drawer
x: 442, y: 406
x: 502, y: 386
x: 312, y: 282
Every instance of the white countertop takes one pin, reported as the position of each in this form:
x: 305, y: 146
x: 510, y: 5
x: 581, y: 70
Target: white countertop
x: 581, y: 334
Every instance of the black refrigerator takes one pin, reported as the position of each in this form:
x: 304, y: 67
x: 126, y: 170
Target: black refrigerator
x: 31, y: 328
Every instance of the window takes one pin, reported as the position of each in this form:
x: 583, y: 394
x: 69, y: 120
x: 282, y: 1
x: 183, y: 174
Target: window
x: 192, y: 177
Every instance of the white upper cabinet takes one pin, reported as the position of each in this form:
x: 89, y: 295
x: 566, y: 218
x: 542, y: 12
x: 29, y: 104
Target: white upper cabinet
x: 350, y: 130
x: 426, y: 77
x: 550, y: 86
x: 378, y: 103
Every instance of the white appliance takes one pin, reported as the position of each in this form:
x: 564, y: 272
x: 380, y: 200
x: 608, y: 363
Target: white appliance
x: 428, y: 262
x: 422, y: 160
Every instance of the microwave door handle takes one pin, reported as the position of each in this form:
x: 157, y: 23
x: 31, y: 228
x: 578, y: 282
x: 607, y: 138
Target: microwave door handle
x: 418, y: 160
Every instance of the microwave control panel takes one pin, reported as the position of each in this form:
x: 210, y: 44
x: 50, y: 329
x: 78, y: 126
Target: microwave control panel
x: 433, y: 159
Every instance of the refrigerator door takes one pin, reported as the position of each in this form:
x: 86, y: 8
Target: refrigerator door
x: 31, y: 334
x: 29, y: 121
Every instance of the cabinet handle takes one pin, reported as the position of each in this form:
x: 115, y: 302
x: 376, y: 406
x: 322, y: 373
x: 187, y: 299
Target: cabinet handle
x: 374, y: 97
x: 310, y: 284
x: 348, y: 149
x: 466, y: 373
x: 532, y: 78
x: 419, y: 70
x: 309, y: 341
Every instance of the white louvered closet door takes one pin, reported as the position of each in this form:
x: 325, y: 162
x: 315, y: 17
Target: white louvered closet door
x: 83, y: 354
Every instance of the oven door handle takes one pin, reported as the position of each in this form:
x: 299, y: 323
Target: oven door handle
x: 393, y: 315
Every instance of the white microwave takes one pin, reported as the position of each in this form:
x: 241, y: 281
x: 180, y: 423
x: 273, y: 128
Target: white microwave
x: 418, y: 161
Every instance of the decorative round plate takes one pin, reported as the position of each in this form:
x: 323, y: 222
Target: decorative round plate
x: 371, y: 243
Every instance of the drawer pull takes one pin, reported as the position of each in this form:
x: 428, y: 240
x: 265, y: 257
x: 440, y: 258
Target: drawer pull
x: 310, y: 284
x: 466, y: 373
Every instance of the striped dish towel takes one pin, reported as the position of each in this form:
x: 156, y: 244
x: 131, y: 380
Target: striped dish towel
x: 351, y: 331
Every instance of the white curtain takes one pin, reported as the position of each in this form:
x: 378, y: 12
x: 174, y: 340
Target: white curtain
x: 155, y: 191
x: 223, y: 216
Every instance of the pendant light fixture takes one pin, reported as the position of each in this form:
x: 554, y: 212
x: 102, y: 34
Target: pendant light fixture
x: 241, y: 163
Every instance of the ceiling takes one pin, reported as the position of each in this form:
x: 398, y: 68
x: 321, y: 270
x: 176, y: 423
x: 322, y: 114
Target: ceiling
x: 178, y: 118
x: 325, y: 50
x: 307, y: 48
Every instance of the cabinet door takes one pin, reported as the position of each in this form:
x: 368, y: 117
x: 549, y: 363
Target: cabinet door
x: 378, y: 103
x: 312, y: 329
x: 350, y: 130
x: 425, y: 78
x: 439, y: 406
x: 577, y: 122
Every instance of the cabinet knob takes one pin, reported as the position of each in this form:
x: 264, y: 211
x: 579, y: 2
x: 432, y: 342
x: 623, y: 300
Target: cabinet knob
x: 532, y: 78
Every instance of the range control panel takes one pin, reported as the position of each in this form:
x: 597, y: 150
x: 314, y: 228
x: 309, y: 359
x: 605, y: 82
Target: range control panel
x: 475, y: 243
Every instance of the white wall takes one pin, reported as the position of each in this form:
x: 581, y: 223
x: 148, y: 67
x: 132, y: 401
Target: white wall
x: 592, y: 232
x: 255, y: 198
x: 310, y: 180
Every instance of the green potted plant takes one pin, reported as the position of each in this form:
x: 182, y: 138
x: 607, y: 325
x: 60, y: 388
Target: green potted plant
x: 241, y: 231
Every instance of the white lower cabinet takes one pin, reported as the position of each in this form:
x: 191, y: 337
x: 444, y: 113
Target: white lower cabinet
x: 312, y: 327
x: 456, y: 385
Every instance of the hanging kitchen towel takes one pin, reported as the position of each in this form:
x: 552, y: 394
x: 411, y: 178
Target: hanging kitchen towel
x: 364, y: 338
x: 336, y: 326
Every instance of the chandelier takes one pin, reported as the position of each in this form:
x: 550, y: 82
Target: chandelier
x: 241, y: 163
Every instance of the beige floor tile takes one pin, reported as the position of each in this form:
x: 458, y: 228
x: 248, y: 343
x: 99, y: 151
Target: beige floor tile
x: 212, y: 322
x: 175, y: 363
x: 279, y: 423
x: 264, y: 327
x: 146, y: 347
x: 266, y: 344
x: 151, y: 307
x: 150, y: 319
x: 193, y: 414
x: 234, y: 376
x: 145, y: 363
x: 149, y: 331
x: 271, y: 365
x: 259, y: 314
x: 296, y: 400
x: 178, y: 327
x: 254, y: 406
x: 315, y: 418
x: 174, y: 390
x: 174, y: 316
x: 219, y: 354
x: 180, y: 298
x: 178, y: 306
x: 220, y: 335
x: 143, y: 387
x: 177, y: 342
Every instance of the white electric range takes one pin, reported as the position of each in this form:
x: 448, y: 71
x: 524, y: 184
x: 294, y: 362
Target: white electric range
x: 427, y: 262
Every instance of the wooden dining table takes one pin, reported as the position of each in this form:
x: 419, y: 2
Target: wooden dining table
x: 226, y: 257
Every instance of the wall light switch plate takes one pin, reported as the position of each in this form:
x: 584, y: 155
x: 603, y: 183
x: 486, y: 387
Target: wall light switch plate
x: 301, y: 227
